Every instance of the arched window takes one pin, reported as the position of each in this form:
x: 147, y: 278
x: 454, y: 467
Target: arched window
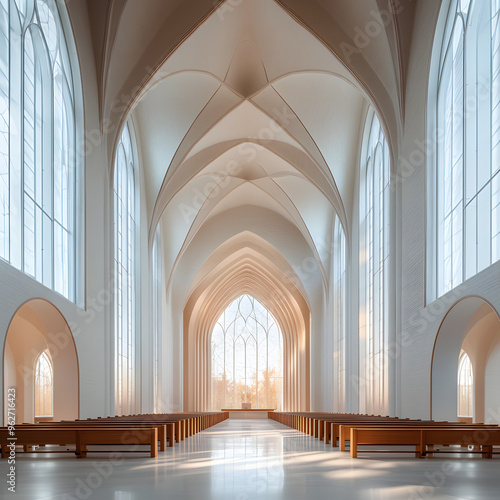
x: 157, y: 317
x: 465, y: 387
x: 465, y: 108
x: 375, y: 303
x: 44, y: 386
x: 38, y: 160
x: 339, y: 314
x: 247, y: 357
x: 125, y: 274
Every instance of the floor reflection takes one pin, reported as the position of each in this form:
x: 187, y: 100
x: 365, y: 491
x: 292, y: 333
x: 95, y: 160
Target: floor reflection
x: 248, y: 462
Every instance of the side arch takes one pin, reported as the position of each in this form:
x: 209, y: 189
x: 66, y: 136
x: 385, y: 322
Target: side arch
x: 38, y: 325
x: 463, y: 327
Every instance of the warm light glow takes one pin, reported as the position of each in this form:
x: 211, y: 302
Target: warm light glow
x: 376, y: 301
x: 247, y: 357
x: 465, y: 387
x: 125, y: 274
x: 44, y: 386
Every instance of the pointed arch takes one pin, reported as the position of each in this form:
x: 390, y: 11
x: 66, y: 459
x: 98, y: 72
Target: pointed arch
x: 259, y: 379
x: 465, y: 386
x: 44, y: 386
x: 252, y: 272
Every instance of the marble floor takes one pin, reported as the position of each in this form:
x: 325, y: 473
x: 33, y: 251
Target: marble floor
x: 251, y: 459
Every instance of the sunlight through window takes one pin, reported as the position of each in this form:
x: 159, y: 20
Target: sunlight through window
x: 44, y: 386
x: 247, y: 357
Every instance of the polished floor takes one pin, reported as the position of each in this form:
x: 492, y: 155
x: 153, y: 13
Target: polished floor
x: 252, y: 459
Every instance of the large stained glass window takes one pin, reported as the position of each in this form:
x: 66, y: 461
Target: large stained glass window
x: 247, y: 357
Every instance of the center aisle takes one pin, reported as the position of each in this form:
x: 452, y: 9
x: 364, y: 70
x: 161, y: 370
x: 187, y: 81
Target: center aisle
x: 254, y: 459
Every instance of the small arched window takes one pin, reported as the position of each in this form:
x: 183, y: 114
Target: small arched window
x: 44, y: 386
x: 465, y: 387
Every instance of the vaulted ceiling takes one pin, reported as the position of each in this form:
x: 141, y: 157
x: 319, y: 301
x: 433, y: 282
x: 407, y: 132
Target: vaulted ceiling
x: 250, y: 106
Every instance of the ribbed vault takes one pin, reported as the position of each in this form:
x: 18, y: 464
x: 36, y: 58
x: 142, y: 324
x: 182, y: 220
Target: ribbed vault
x: 249, y: 117
x: 252, y: 270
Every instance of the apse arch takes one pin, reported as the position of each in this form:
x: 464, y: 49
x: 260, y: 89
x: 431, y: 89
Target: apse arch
x: 247, y: 357
x: 471, y: 325
x: 253, y: 273
x: 35, y: 327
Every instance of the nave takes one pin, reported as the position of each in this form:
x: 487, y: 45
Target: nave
x: 255, y: 459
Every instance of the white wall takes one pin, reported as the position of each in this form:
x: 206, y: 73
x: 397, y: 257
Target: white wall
x: 420, y: 320
x: 89, y: 325
x: 492, y: 380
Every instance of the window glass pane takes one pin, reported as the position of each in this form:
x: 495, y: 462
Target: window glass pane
x: 157, y: 316
x: 465, y: 387
x: 247, y: 357
x: 339, y: 315
x: 4, y: 130
x: 484, y: 228
x: 44, y: 386
x: 495, y: 217
x: 468, y: 124
x: 125, y: 234
x: 37, y: 134
x: 376, y: 223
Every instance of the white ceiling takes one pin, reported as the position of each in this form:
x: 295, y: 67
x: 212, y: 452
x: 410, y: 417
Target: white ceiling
x: 248, y: 108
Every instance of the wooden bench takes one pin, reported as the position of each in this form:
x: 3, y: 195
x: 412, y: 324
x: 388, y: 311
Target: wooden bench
x: 345, y: 429
x: 80, y: 437
x: 179, y: 425
x: 324, y: 425
x: 422, y: 438
x: 337, y: 428
x: 164, y: 435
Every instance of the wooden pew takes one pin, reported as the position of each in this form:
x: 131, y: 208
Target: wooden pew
x: 163, y: 433
x: 345, y: 428
x: 422, y: 438
x: 130, y: 429
x: 179, y: 425
x: 387, y: 431
x: 322, y: 425
x: 80, y: 437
